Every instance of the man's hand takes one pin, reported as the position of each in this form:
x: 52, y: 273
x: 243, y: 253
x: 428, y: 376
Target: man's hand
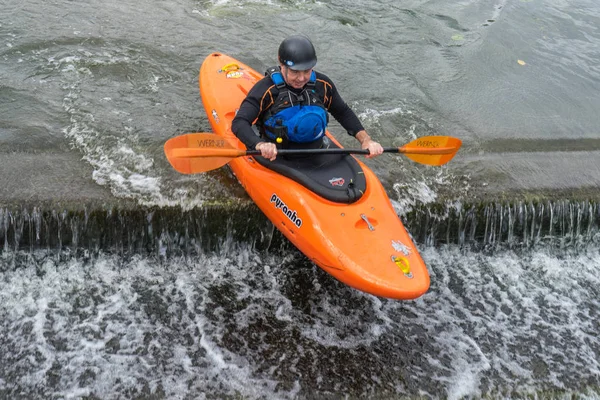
x: 366, y: 143
x: 267, y: 150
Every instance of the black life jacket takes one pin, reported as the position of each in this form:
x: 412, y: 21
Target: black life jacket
x: 299, y: 118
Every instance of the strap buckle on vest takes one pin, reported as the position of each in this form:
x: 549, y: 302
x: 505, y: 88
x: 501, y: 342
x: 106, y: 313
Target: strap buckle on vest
x: 275, y: 74
x: 313, y: 80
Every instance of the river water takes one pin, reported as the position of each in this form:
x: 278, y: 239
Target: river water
x: 107, y: 83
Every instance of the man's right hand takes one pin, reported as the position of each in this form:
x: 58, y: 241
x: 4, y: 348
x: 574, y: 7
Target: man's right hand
x: 267, y: 150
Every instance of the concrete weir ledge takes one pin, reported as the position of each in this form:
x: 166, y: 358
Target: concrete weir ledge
x: 122, y: 226
x: 47, y: 207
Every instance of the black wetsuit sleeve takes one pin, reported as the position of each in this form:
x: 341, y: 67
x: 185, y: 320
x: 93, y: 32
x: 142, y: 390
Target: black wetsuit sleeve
x: 249, y: 110
x: 340, y: 110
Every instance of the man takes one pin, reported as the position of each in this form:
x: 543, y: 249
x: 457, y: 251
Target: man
x: 290, y: 106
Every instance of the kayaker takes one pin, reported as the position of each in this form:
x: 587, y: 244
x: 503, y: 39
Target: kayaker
x: 290, y: 106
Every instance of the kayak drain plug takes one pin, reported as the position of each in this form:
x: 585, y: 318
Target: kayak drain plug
x: 403, y: 264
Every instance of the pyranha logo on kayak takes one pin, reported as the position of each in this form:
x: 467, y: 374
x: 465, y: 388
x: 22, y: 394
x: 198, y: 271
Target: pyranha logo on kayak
x: 291, y: 214
x: 337, y: 181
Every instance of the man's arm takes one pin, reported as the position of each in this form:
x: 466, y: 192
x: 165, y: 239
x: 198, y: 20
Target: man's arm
x: 344, y: 115
x: 248, y: 112
x: 349, y: 120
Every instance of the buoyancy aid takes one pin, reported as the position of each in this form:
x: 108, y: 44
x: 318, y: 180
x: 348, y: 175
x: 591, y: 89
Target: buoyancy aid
x: 297, y: 117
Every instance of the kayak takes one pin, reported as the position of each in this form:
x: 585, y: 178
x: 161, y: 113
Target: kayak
x: 333, y: 208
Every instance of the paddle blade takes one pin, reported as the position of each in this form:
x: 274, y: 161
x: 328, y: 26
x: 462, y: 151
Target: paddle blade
x: 194, y: 153
x: 432, y: 150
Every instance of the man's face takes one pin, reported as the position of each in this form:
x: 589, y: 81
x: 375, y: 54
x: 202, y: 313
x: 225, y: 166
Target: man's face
x: 296, y: 79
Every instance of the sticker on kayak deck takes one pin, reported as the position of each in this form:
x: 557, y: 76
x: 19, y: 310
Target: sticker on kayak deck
x: 234, y: 75
x: 337, y: 181
x: 215, y: 116
x: 211, y: 143
x: 401, y: 247
x: 291, y: 214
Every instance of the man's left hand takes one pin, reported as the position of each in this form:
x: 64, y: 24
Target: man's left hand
x: 374, y: 148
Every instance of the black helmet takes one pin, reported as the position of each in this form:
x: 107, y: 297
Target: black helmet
x: 297, y: 53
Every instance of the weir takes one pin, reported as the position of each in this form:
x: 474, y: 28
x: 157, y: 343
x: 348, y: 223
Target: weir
x: 173, y: 231
x: 523, y: 224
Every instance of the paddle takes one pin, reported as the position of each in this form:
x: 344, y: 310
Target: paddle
x: 200, y: 152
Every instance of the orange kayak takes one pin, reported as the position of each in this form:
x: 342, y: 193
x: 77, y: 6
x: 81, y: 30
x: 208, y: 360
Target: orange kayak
x: 360, y: 241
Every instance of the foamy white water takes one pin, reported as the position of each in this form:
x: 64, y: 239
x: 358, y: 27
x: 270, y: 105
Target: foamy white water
x: 241, y: 323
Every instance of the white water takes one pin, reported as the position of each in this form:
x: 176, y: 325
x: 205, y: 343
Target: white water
x: 240, y: 323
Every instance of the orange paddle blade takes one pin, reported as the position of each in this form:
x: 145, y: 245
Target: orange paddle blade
x: 431, y: 150
x: 199, y: 152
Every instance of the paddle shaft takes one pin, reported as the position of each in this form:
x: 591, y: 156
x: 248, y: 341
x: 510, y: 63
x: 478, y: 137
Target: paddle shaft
x: 412, y: 150
x: 200, y: 152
